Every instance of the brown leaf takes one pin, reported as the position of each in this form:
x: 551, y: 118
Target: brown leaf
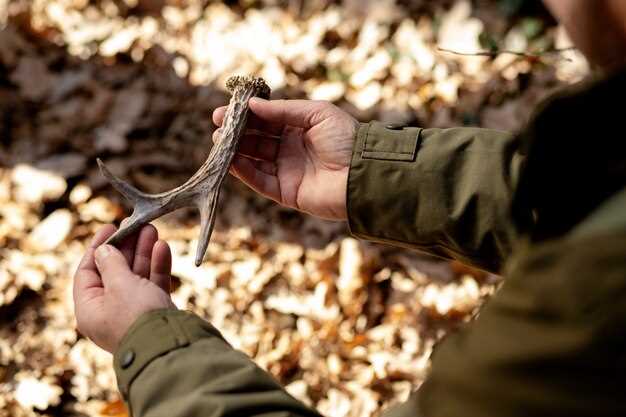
x: 51, y: 232
x: 33, y: 78
x: 115, y: 408
x: 66, y: 165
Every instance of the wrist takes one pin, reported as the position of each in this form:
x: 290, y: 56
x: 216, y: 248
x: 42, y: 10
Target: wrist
x: 340, y: 208
x: 382, y: 179
x: 153, y: 335
x: 137, y: 322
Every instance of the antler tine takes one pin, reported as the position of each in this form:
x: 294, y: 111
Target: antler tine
x: 203, y: 188
x: 131, y: 193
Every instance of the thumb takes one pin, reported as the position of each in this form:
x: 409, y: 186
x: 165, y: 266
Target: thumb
x: 298, y: 113
x: 111, y: 264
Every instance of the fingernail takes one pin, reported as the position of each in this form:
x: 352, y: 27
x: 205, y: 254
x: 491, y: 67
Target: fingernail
x: 102, y: 252
x: 258, y: 100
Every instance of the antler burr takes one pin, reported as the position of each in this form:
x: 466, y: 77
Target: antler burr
x: 202, y: 190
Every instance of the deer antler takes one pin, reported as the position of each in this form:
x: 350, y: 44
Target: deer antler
x: 202, y: 190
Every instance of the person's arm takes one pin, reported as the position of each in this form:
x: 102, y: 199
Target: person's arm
x: 447, y: 192
x: 174, y: 364
x: 551, y: 342
x: 529, y: 353
x: 169, y: 363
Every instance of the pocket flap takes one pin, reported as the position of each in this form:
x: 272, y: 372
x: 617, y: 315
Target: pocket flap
x: 391, y: 143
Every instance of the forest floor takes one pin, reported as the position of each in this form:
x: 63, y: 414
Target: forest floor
x: 347, y: 326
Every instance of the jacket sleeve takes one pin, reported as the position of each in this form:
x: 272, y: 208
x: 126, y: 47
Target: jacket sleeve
x: 550, y: 342
x: 172, y: 363
x: 447, y: 192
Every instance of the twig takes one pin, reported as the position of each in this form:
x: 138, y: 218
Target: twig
x: 527, y: 55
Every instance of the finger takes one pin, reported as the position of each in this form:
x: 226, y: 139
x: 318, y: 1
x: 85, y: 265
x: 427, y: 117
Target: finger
x: 218, y: 115
x: 297, y: 113
x: 143, y: 251
x: 259, y: 147
x: 127, y: 247
x: 102, y: 235
x: 254, y: 122
x: 255, y: 146
x: 99, y: 238
x: 161, y: 266
x: 266, y: 167
x: 112, y: 265
x: 260, y: 181
x: 86, y: 276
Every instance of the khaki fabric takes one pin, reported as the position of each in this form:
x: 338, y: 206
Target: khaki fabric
x: 451, y: 198
x: 547, y: 209
x: 182, y: 366
x: 551, y: 343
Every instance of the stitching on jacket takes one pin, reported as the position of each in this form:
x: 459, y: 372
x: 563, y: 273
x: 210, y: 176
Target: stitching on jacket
x: 367, y: 134
x: 388, y: 155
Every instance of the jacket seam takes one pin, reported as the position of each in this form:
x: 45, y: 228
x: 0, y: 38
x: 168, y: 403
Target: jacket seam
x: 357, y: 156
x: 367, y: 135
x: 393, y: 152
x: 425, y: 247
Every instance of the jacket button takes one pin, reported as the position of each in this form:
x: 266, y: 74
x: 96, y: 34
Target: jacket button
x: 127, y: 359
x: 395, y: 126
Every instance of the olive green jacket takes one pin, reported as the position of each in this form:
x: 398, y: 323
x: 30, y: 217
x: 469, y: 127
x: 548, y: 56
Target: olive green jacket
x: 546, y: 208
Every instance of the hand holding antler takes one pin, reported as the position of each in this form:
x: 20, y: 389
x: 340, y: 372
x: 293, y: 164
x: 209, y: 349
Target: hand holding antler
x: 297, y: 153
x: 203, y: 188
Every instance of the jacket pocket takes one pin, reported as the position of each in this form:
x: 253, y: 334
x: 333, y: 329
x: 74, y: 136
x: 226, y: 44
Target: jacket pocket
x: 390, y: 142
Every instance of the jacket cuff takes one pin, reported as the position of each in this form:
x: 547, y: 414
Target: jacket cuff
x: 152, y: 335
x: 382, y: 155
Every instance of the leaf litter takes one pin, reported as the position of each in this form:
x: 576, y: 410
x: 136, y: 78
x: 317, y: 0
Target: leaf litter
x: 347, y: 326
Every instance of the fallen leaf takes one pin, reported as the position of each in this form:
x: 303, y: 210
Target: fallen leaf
x: 51, y: 232
x: 37, y: 393
x: 36, y: 186
x: 33, y: 78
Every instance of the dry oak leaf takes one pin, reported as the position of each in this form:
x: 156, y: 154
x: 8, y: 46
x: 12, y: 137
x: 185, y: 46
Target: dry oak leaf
x: 36, y: 186
x: 51, y: 232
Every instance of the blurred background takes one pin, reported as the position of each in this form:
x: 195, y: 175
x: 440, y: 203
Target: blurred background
x: 347, y: 326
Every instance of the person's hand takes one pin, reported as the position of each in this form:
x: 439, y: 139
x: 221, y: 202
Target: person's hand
x: 297, y: 153
x: 112, y: 287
